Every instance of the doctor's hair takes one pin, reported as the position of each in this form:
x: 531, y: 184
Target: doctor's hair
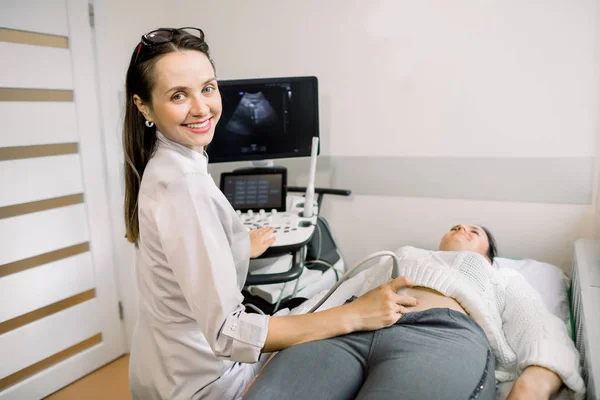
x: 492, y: 248
x: 139, y: 141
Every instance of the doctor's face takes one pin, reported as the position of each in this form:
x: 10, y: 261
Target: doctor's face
x: 186, y: 103
x: 466, y: 238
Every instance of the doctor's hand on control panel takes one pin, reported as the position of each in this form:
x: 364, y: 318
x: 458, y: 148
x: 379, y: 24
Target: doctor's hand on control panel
x: 260, y: 240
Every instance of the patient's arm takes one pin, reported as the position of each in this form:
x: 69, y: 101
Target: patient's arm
x: 539, y: 339
x: 379, y: 308
x: 535, y: 383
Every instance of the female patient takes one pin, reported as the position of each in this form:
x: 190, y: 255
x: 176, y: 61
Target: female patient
x: 472, y: 324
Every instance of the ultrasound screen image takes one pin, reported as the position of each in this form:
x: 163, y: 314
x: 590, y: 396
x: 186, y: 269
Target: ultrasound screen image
x: 260, y: 113
x: 265, y: 119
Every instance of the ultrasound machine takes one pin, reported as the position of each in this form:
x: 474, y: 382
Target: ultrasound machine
x: 263, y: 120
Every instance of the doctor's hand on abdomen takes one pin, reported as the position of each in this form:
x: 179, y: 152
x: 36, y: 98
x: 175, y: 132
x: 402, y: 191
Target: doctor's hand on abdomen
x: 382, y: 306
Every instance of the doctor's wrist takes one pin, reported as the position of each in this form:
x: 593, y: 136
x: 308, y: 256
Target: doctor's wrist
x: 351, y: 318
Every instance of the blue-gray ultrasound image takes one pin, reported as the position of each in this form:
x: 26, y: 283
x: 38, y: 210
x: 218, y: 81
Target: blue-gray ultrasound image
x: 253, y: 114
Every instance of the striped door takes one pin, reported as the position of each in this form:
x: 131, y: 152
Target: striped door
x: 59, y: 316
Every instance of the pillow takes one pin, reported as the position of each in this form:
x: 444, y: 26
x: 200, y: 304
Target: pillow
x: 550, y: 282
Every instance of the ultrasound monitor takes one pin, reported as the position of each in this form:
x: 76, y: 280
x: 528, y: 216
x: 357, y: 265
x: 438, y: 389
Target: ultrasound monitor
x: 265, y: 119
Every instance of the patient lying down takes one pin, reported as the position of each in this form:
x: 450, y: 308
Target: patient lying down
x: 473, y: 326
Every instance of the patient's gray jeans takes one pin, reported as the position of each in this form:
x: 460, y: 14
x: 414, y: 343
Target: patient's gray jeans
x: 433, y: 354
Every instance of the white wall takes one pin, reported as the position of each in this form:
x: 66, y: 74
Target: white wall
x: 429, y: 78
x: 404, y: 78
x: 522, y: 230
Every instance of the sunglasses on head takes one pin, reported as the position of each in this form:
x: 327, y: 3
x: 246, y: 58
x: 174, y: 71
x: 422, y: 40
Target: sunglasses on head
x: 165, y: 35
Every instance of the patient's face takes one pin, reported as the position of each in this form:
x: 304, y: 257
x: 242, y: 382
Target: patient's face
x: 465, y: 238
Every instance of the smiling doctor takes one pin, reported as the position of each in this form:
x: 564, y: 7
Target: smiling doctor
x: 193, y: 338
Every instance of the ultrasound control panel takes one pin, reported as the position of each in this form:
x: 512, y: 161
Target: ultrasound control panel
x: 260, y: 198
x: 291, y: 229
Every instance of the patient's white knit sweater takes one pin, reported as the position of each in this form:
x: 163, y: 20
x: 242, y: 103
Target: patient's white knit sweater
x: 520, y: 329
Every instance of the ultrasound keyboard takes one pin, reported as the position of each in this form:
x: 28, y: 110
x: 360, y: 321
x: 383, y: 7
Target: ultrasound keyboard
x: 291, y: 229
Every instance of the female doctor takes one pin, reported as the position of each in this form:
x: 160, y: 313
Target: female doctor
x: 193, y: 339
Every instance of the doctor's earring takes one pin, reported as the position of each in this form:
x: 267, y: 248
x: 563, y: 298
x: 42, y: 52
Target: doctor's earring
x: 149, y: 124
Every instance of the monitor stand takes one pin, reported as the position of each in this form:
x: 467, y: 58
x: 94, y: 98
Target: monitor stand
x: 260, y: 165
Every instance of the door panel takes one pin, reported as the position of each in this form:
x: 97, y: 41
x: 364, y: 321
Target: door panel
x: 59, y: 317
x: 57, y: 118
x: 28, y: 290
x: 42, y: 180
x: 50, y: 16
x: 37, y: 233
x: 55, y: 74
x: 48, y: 336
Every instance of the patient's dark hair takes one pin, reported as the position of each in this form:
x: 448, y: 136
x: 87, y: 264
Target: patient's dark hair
x: 492, y: 249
